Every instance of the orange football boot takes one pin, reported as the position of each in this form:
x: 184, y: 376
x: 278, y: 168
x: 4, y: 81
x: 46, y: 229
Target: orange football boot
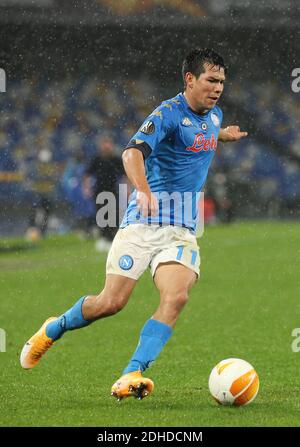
x: 36, y: 347
x: 132, y: 384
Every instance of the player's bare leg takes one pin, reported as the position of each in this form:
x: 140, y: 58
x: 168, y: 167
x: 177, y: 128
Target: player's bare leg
x: 173, y: 281
x: 111, y: 300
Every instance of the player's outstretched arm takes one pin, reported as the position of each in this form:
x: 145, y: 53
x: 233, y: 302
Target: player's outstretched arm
x: 133, y: 162
x: 231, y: 133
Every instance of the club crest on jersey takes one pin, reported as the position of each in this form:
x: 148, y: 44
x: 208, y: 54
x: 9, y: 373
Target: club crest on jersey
x: 186, y: 122
x: 148, y: 127
x: 125, y: 262
x: 215, y: 119
x: 203, y: 126
x: 203, y: 144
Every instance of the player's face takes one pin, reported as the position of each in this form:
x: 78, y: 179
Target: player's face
x: 206, y: 90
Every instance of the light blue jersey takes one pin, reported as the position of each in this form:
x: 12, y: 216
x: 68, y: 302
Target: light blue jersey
x: 180, y: 146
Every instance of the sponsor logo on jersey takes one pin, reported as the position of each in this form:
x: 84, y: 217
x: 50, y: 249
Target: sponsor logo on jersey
x: 148, y: 127
x: 186, y: 122
x: 215, y: 119
x: 203, y: 144
x: 125, y: 262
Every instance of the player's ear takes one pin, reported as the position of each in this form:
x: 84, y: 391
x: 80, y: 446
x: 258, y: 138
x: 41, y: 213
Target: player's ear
x: 189, y: 79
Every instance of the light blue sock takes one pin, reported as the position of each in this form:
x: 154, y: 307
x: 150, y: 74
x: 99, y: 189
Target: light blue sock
x: 154, y: 336
x: 72, y: 319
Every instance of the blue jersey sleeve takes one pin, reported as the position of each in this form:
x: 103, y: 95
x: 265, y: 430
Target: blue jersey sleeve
x: 157, y: 126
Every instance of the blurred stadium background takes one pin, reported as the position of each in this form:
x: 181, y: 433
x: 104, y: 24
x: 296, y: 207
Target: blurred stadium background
x: 80, y: 71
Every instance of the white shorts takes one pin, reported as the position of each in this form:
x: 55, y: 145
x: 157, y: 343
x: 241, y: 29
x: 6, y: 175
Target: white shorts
x: 139, y: 246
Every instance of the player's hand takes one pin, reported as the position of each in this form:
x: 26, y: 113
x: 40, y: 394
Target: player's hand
x: 147, y: 203
x: 232, y: 133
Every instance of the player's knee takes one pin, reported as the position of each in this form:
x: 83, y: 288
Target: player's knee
x: 177, y: 299
x: 181, y: 298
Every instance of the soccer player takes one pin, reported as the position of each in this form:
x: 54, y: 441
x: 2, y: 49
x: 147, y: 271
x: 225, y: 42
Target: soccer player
x: 106, y: 167
x: 170, y: 154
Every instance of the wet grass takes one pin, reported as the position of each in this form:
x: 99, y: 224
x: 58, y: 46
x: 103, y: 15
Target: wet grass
x: 245, y: 305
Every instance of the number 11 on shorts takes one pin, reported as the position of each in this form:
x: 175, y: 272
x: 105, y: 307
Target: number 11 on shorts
x: 180, y: 249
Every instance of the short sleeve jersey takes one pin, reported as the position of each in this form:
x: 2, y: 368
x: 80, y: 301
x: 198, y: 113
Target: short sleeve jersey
x: 181, y: 145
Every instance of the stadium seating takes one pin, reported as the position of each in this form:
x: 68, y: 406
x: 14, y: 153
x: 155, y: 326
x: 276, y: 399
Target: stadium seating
x: 47, y: 122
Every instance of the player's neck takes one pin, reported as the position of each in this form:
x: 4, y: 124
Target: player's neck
x: 193, y: 105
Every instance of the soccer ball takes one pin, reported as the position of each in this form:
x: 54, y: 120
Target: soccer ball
x: 233, y: 382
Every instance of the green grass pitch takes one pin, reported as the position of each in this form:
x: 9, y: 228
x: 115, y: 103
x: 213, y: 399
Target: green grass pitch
x: 245, y: 305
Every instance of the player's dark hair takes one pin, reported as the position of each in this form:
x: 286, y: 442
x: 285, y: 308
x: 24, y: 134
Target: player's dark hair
x: 195, y: 60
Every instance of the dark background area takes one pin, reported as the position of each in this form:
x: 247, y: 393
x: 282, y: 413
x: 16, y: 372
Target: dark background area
x: 50, y: 42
